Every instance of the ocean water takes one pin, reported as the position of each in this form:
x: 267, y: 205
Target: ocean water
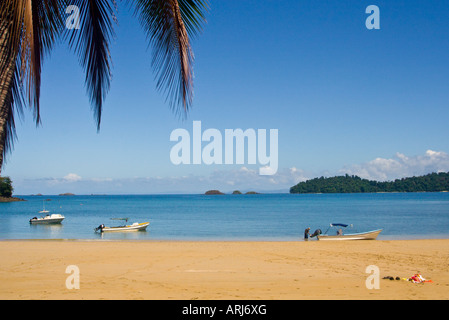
x: 272, y: 217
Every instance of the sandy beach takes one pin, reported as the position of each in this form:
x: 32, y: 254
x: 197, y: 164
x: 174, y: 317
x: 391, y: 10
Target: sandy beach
x: 165, y: 270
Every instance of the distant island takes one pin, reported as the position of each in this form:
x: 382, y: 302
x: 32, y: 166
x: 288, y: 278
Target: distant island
x: 434, y: 182
x: 212, y: 192
x: 66, y: 194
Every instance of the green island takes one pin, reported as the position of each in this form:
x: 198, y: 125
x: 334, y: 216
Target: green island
x: 213, y: 192
x: 433, y: 182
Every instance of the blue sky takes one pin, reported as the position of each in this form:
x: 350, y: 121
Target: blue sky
x: 343, y: 98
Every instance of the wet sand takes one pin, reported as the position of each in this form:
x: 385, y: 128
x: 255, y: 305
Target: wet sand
x: 212, y: 270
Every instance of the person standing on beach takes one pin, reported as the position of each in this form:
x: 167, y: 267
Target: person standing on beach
x: 306, y: 234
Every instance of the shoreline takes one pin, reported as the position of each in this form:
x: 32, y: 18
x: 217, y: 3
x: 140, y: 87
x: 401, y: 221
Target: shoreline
x: 296, y: 240
x: 299, y: 238
x: 10, y: 199
x: 217, y: 270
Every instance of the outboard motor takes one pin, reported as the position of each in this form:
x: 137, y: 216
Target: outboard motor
x: 99, y: 228
x: 316, y: 233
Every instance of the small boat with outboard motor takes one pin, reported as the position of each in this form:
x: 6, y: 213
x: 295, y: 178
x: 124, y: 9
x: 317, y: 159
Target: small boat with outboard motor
x: 340, y: 233
x: 123, y: 228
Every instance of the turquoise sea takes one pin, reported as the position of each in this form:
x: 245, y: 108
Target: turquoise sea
x: 273, y: 217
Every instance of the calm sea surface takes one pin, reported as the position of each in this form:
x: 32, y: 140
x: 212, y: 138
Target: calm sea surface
x: 231, y: 217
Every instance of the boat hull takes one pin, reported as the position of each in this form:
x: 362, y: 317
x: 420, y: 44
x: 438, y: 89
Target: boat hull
x: 370, y: 235
x: 130, y: 228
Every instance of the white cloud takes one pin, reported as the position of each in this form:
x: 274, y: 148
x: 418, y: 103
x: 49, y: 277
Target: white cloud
x: 72, y: 177
x: 400, y: 166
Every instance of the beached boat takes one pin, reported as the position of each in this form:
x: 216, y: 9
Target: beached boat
x: 340, y: 234
x: 47, y: 218
x: 124, y: 228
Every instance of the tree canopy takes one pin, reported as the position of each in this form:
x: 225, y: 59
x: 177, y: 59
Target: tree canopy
x: 6, y: 188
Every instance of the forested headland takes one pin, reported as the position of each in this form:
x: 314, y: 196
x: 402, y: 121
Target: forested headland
x: 6, y: 190
x: 434, y: 182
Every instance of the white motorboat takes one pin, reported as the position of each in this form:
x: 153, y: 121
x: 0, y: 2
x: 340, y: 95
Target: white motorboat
x: 47, y: 218
x: 124, y: 228
x: 342, y: 235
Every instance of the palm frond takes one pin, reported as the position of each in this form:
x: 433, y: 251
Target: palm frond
x: 31, y: 29
x: 11, y: 20
x: 91, y: 43
x: 42, y: 25
x: 169, y: 25
x: 193, y: 14
x: 27, y: 31
x: 12, y: 105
